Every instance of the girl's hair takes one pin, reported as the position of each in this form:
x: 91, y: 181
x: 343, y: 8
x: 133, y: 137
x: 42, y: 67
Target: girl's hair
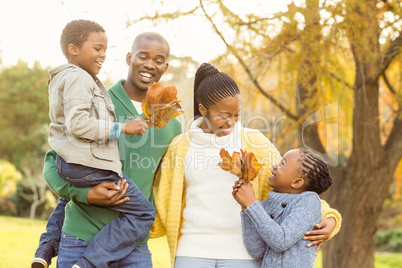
x: 315, y: 170
x: 76, y: 32
x: 211, y: 86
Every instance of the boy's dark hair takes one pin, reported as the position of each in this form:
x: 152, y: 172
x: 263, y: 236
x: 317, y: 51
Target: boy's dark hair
x: 76, y: 32
x: 315, y: 170
x: 211, y: 86
x: 151, y: 36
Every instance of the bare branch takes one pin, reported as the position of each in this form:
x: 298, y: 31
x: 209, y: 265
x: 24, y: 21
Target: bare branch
x: 390, y: 87
x: 392, y: 51
x: 393, y: 145
x: 340, y: 80
x: 165, y: 16
x: 248, y: 71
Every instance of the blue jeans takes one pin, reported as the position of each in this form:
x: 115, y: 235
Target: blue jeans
x: 53, y: 227
x: 192, y: 262
x: 120, y: 237
x: 72, y: 249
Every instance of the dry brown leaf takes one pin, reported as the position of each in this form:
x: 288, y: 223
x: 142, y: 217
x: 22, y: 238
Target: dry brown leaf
x: 243, y: 165
x: 161, y: 105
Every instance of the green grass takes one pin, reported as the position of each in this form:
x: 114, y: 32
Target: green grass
x: 20, y: 237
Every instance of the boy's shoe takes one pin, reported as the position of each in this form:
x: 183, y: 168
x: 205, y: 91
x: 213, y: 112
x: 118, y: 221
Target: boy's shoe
x: 38, y: 263
x: 43, y: 256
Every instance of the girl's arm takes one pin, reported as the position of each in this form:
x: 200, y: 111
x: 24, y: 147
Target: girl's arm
x: 327, y: 228
x: 254, y: 243
x: 281, y: 237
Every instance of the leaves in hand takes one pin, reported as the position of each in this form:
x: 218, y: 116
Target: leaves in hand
x: 161, y: 105
x: 243, y: 165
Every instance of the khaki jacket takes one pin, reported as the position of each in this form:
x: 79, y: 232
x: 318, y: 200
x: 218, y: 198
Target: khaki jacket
x: 81, y: 114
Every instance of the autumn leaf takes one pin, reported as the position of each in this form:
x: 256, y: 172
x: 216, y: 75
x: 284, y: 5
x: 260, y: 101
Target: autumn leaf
x: 243, y: 164
x: 161, y: 105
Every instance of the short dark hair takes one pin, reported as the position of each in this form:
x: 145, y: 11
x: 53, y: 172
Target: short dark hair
x: 315, y: 170
x: 211, y: 86
x: 151, y: 36
x: 76, y: 32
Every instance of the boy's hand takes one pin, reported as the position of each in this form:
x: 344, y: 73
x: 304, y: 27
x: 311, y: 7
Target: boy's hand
x: 108, y: 193
x: 137, y: 126
x: 323, y: 232
x: 243, y: 192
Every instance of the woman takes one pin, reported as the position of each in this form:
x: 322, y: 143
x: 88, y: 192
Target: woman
x: 193, y: 195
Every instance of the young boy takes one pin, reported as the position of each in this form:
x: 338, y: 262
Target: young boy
x: 273, y: 229
x: 84, y: 132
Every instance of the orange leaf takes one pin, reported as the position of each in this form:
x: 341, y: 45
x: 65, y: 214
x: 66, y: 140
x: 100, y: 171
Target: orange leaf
x: 161, y: 105
x: 243, y: 164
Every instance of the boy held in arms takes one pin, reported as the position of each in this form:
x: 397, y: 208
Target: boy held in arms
x: 84, y: 133
x: 274, y: 228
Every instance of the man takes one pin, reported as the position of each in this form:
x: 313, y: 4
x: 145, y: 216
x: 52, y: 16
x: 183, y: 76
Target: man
x: 140, y: 156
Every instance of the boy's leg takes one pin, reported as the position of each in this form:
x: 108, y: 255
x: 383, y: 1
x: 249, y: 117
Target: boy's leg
x: 49, y: 241
x: 140, y: 257
x: 71, y: 250
x: 121, y: 236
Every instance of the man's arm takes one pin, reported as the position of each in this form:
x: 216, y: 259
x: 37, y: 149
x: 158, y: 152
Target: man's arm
x: 58, y: 185
x: 104, y: 194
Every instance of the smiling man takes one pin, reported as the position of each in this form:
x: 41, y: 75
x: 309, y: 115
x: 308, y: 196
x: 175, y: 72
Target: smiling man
x: 139, y: 155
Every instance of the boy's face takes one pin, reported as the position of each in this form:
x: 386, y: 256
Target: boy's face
x: 285, y: 172
x: 148, y: 62
x: 92, y: 54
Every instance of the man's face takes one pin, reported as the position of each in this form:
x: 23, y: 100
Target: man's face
x: 148, y: 62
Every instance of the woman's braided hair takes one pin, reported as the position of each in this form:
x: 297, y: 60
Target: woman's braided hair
x: 315, y: 170
x: 211, y: 86
x: 76, y: 32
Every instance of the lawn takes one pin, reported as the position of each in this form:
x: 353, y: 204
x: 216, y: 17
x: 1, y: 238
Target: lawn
x: 20, y: 237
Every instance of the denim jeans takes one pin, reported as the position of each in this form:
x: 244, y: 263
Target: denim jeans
x: 120, y: 237
x: 192, y: 262
x: 53, y: 228
x: 73, y: 248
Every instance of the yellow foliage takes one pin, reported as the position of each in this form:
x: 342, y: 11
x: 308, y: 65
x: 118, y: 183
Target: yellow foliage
x: 9, y: 176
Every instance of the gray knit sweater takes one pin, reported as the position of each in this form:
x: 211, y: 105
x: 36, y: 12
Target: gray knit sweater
x: 273, y: 229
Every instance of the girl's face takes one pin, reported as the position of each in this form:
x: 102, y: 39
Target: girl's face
x: 285, y: 174
x: 221, y: 117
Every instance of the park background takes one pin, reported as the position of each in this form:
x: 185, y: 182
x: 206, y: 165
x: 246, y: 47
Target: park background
x: 319, y: 74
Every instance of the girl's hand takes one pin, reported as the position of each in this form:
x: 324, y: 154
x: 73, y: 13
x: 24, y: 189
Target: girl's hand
x: 323, y: 232
x: 243, y: 192
x: 137, y: 126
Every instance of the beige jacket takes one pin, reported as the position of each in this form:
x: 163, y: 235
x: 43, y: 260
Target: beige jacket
x: 81, y: 114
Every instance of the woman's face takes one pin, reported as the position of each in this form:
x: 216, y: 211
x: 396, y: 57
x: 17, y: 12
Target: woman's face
x: 221, y: 117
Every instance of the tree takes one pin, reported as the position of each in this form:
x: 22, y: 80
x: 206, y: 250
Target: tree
x: 319, y: 52
x: 34, y: 181
x: 24, y: 105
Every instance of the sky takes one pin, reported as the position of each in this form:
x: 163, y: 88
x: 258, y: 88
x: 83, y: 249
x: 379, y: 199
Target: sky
x: 30, y: 30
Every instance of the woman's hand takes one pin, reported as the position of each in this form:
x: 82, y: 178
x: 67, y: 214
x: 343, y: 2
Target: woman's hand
x: 323, y: 232
x: 243, y: 192
x: 108, y: 193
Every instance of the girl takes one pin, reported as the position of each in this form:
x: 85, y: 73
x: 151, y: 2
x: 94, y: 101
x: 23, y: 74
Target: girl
x: 273, y: 229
